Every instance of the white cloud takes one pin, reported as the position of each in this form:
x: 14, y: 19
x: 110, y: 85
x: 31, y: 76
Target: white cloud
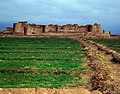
x: 106, y: 12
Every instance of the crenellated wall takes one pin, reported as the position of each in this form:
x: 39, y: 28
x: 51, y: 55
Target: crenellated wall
x: 88, y: 31
x: 51, y: 28
x: 33, y: 29
x: 9, y: 29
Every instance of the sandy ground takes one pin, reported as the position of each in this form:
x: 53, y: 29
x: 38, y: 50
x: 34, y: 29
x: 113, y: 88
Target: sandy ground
x: 46, y: 91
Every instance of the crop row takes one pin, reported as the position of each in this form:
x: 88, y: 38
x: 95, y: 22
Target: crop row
x: 110, y: 43
x: 36, y: 81
x: 41, y: 65
x: 41, y: 45
x: 36, y: 40
x: 37, y: 55
x: 41, y: 50
x: 36, y: 47
x: 40, y: 62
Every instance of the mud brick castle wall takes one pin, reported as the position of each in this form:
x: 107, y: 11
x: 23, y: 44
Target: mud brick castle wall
x: 33, y: 29
x: 9, y: 29
x: 20, y: 28
x: 88, y: 31
x: 51, y: 28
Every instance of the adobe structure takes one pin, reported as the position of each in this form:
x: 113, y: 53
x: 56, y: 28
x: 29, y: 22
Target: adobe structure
x: 25, y: 29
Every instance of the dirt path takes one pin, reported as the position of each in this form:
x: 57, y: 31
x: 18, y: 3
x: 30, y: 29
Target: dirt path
x: 47, y: 91
x: 105, y: 65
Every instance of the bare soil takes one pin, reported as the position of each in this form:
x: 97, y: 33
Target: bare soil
x: 102, y: 63
x: 47, y: 91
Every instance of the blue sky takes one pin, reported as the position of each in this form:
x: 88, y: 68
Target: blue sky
x: 82, y: 12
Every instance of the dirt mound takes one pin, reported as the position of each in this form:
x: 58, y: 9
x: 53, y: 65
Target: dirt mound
x: 101, y: 61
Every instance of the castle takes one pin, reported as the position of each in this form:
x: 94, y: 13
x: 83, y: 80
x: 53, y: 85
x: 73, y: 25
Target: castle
x: 25, y: 29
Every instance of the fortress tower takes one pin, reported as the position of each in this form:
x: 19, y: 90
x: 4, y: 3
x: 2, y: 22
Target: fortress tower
x: 20, y: 28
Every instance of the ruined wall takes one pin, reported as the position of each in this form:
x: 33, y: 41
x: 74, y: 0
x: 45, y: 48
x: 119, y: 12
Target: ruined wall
x: 23, y: 28
x: 51, y: 28
x: 33, y: 29
x: 76, y: 27
x: 106, y: 34
x: 94, y: 31
x: 88, y: 31
x: 62, y: 29
x: 92, y: 28
x: 72, y: 28
x: 20, y: 28
x: 9, y: 29
x: 83, y: 29
x: 69, y: 28
x: 99, y: 31
x: 1, y: 33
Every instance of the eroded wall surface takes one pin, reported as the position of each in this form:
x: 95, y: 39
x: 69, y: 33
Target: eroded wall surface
x: 88, y: 31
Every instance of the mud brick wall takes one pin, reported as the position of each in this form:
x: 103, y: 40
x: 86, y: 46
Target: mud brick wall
x: 107, y: 34
x: 9, y: 29
x: 34, y: 29
x: 88, y: 31
x: 19, y: 28
x: 51, y: 28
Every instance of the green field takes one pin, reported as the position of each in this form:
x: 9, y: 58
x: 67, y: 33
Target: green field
x: 40, y: 62
x: 110, y: 43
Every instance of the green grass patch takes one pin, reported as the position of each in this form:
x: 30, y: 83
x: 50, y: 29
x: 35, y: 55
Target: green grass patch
x: 39, y: 80
x: 110, y: 43
x: 40, y: 62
